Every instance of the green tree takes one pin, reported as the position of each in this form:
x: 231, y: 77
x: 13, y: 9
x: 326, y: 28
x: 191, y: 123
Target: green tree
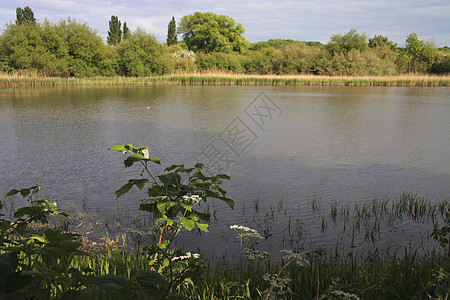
x: 20, y: 47
x: 114, y: 33
x: 344, y: 43
x: 172, y: 33
x: 24, y: 16
x: 126, y: 31
x: 141, y: 55
x: 209, y: 32
x: 414, y: 50
x: 85, y: 48
x: 380, y: 41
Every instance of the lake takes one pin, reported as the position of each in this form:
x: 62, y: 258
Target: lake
x: 292, y: 151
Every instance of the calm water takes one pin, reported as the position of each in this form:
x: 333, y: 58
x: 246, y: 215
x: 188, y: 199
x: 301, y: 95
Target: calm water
x: 284, y: 147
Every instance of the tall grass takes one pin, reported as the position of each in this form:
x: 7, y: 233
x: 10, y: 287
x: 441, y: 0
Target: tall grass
x: 325, y: 274
x: 18, y: 79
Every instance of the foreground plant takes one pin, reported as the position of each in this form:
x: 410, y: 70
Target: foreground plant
x: 174, y: 198
x: 36, y: 259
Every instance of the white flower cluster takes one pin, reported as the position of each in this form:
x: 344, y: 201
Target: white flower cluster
x: 187, y: 256
x: 246, y: 233
x: 184, y: 54
x: 192, y: 199
x: 243, y: 229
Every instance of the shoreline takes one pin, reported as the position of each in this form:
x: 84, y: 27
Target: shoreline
x: 15, y: 80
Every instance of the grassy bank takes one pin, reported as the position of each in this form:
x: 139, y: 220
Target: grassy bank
x: 26, y: 80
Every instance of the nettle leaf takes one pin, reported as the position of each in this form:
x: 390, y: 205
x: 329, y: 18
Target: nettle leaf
x: 227, y: 201
x: 186, y: 206
x: 120, y: 148
x: 188, y: 223
x: 130, y: 160
x: 172, y: 167
x: 164, y: 206
x: 8, y: 264
x: 203, y: 227
x: 124, y: 189
x: 12, y: 192
x: 156, y: 160
x: 170, y: 179
x: 205, y: 217
x: 140, y: 183
x: 223, y: 176
x: 24, y: 192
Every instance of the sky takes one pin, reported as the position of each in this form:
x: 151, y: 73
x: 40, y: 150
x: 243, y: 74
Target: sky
x: 312, y: 20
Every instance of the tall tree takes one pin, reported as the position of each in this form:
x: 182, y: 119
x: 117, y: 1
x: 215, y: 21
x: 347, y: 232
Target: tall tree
x: 209, y: 32
x: 381, y: 41
x: 114, y: 33
x: 414, y: 49
x: 24, y: 16
x: 126, y: 31
x: 172, y: 32
x: 344, y: 43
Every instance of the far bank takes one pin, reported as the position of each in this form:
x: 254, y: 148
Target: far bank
x: 27, y: 80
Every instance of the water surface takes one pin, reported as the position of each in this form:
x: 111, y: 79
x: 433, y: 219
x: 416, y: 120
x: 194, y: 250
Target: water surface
x: 301, y: 144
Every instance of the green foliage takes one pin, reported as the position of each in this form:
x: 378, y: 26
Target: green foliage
x: 173, y: 198
x: 442, y: 64
x: 141, y: 55
x: 209, y: 32
x: 181, y: 60
x: 442, y: 233
x: 115, y: 32
x: 259, y: 61
x: 37, y: 259
x: 299, y: 59
x: 172, y: 33
x: 280, y: 43
x: 381, y: 41
x: 220, y: 61
x: 24, y: 16
x: 71, y: 49
x: 352, y: 40
x: 126, y: 31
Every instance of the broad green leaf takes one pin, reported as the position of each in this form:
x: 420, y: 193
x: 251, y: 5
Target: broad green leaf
x: 156, y: 160
x: 124, y: 189
x: 205, y: 217
x: 203, y: 226
x: 24, y: 192
x: 171, y: 167
x: 41, y: 239
x: 130, y: 160
x: 187, y: 223
x: 120, y: 148
x: 140, y: 183
x: 227, y: 201
x: 8, y: 264
x: 164, y: 206
x: 223, y: 176
x: 170, y: 179
x: 12, y: 192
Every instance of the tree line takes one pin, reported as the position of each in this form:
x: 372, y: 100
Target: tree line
x: 209, y: 42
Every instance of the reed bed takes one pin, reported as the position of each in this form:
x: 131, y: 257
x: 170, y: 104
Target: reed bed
x: 33, y: 79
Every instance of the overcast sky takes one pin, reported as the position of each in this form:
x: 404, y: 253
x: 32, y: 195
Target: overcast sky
x: 312, y: 20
